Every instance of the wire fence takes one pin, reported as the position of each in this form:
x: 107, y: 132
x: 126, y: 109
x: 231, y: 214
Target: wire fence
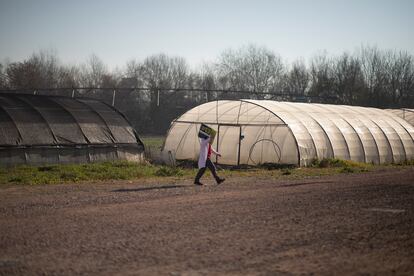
x: 151, y: 110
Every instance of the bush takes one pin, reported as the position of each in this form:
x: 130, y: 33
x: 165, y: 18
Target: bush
x: 335, y: 163
x: 16, y: 179
x: 347, y: 170
x: 276, y: 166
x: 47, y: 168
x: 69, y: 176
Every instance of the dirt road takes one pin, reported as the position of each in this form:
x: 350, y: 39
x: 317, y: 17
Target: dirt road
x: 347, y: 224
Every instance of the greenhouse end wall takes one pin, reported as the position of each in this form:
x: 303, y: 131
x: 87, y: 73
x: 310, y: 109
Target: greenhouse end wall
x: 269, y: 144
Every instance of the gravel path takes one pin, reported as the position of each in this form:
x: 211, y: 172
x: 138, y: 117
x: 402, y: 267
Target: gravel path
x: 346, y: 224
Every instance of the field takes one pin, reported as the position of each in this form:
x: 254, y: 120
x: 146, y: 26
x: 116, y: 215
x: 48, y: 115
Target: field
x: 320, y: 221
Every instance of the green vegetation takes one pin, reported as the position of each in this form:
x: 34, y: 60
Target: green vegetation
x: 153, y: 142
x: 169, y: 171
x: 52, y: 174
x: 123, y: 170
x: 344, y: 166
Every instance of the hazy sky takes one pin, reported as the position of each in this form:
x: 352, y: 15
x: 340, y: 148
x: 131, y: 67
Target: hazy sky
x: 199, y: 30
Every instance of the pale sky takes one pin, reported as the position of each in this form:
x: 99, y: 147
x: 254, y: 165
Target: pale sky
x: 200, y: 30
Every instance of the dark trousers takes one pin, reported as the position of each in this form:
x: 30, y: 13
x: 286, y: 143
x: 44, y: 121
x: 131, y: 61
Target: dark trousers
x: 212, y: 168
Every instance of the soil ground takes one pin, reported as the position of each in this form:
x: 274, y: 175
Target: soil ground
x: 346, y: 224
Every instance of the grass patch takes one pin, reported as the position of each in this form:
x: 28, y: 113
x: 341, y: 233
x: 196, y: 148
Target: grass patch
x: 341, y: 166
x: 169, y: 171
x: 286, y: 172
x: 120, y: 170
x: 123, y: 170
x: 334, y: 163
x: 347, y: 170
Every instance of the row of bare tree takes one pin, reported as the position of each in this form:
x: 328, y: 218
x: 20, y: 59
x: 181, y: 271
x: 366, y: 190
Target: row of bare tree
x: 368, y: 77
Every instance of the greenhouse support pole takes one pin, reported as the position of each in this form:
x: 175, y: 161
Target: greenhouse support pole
x: 217, y: 113
x: 218, y: 140
x: 113, y: 97
x: 238, y: 155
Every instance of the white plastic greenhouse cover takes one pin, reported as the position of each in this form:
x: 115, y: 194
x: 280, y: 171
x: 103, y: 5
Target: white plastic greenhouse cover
x: 406, y: 114
x: 261, y: 131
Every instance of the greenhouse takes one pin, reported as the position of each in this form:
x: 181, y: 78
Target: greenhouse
x: 406, y: 114
x: 49, y: 130
x: 252, y: 132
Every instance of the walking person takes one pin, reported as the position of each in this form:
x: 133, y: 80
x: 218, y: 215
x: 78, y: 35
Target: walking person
x: 205, y: 162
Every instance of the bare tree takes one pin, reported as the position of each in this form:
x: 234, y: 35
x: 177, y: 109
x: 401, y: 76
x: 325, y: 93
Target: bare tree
x: 207, y: 80
x: 369, y: 77
x: 373, y: 67
x: 22, y: 75
x: 4, y: 79
x: 298, y: 78
x: 41, y: 70
x: 160, y: 73
x: 322, y: 78
x: 400, y: 77
x: 69, y: 76
x: 251, y: 68
x: 348, y: 79
x: 93, y: 72
x: 49, y: 67
x: 134, y: 72
x: 134, y: 78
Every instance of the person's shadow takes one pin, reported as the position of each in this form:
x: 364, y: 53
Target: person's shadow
x: 164, y: 187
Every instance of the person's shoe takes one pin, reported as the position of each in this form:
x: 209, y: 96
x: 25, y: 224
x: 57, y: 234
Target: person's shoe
x: 198, y: 183
x: 220, y: 180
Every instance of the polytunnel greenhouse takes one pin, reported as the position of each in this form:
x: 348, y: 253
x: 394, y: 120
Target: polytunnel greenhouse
x: 49, y: 130
x: 405, y: 113
x: 253, y: 132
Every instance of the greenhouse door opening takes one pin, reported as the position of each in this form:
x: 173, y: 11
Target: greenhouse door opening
x: 228, y: 144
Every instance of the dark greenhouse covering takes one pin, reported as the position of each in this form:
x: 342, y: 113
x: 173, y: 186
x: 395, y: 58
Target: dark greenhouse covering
x: 46, y: 129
